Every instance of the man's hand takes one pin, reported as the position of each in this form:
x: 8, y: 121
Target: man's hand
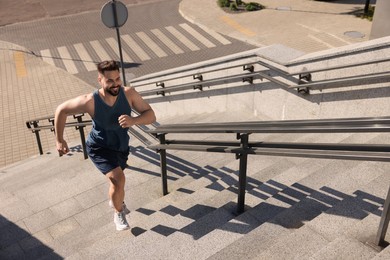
x: 62, y: 147
x: 126, y: 121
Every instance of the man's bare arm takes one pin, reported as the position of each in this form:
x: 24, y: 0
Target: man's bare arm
x: 146, y: 112
x: 81, y: 104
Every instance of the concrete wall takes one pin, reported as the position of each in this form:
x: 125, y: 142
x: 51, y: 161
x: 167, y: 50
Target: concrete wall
x: 381, y: 22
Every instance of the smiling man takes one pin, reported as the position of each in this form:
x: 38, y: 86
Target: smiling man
x: 108, y: 142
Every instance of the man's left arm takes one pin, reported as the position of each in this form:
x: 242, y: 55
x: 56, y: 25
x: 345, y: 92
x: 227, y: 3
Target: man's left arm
x: 137, y: 103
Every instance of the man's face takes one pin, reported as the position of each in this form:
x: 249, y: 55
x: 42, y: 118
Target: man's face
x: 111, y: 82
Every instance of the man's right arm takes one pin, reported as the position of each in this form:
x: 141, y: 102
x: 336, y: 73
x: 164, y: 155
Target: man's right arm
x: 81, y: 104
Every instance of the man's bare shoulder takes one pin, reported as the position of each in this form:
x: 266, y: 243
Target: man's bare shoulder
x: 86, y: 97
x: 131, y: 93
x: 129, y: 89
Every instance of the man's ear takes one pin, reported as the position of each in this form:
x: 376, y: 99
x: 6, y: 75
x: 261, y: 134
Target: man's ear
x: 100, y: 78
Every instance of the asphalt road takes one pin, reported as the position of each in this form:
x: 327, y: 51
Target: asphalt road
x: 16, y: 11
x: 61, y: 32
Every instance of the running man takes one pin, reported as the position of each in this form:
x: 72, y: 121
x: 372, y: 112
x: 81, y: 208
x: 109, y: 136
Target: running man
x: 108, y: 142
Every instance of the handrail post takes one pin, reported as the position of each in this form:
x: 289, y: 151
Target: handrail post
x: 384, y: 223
x: 82, y: 135
x: 242, y: 173
x: 36, y: 132
x: 163, y: 165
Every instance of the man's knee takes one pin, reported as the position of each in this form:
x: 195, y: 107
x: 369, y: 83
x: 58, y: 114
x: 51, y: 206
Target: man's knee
x: 117, y: 177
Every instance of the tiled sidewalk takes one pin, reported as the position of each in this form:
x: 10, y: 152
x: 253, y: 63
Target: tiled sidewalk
x: 30, y: 88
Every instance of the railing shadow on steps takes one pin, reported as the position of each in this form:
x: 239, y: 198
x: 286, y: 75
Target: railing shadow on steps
x: 309, y: 202
x: 245, y: 147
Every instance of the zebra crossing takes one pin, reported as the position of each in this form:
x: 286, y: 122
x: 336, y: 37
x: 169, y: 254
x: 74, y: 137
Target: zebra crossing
x: 136, y: 47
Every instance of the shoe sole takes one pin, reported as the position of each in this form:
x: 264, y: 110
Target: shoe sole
x: 119, y: 229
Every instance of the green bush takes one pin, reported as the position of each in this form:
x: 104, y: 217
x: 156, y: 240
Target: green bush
x: 233, y: 7
x: 223, y: 3
x: 252, y: 6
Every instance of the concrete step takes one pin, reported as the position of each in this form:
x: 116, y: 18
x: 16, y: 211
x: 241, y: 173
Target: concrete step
x: 299, y: 204
x: 335, y: 220
x: 218, y: 204
x: 383, y: 255
x: 75, y: 220
x: 190, y: 221
x: 176, y: 204
x: 186, y: 202
x: 357, y: 241
x: 74, y: 232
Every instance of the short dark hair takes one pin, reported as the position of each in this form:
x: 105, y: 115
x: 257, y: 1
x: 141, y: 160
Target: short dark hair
x: 107, y: 65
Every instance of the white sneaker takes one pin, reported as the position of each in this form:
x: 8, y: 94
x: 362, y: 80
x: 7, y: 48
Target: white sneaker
x: 120, y: 221
x: 124, y: 208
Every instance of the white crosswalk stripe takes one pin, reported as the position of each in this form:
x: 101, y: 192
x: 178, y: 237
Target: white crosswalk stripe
x: 197, y: 35
x: 151, y: 44
x: 47, y: 57
x: 67, y: 60
x: 182, y: 38
x: 114, y: 46
x: 216, y: 35
x: 140, y: 46
x: 170, y: 44
x: 100, y: 50
x: 135, y: 47
x: 85, y: 57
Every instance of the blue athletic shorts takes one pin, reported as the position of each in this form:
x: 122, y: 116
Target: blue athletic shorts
x: 105, y: 159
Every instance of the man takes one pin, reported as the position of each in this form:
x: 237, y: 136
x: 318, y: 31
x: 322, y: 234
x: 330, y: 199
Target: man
x: 108, y: 142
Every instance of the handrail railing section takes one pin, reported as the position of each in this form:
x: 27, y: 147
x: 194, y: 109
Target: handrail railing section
x: 47, y: 123
x: 244, y: 146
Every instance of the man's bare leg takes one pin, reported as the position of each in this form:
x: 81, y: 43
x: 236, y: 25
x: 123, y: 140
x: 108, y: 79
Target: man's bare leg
x: 116, y: 191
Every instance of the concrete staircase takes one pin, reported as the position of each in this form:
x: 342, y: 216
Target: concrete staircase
x: 54, y: 208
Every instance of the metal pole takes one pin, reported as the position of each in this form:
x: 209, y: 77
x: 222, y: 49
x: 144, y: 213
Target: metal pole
x: 163, y: 165
x: 366, y: 6
x: 36, y: 132
x: 119, y: 40
x: 384, y: 223
x: 242, y: 175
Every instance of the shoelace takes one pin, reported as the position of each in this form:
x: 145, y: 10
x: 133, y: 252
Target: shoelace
x: 121, y: 218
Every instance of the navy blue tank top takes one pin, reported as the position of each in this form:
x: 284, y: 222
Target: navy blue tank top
x: 106, y: 131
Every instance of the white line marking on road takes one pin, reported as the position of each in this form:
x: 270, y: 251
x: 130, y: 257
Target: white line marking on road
x: 100, y: 51
x: 85, y: 57
x: 67, y: 60
x: 197, y: 35
x: 182, y: 38
x: 135, y: 47
x: 46, y: 56
x: 114, y: 46
x: 215, y: 35
x: 151, y: 44
x: 321, y: 41
x: 338, y: 38
x: 170, y: 44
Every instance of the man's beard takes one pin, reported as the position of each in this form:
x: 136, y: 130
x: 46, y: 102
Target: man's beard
x: 113, y: 91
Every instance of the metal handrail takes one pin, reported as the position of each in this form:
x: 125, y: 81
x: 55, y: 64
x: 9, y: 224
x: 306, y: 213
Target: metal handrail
x: 270, y: 67
x: 189, y: 69
x: 197, y: 84
x: 79, y: 124
x: 245, y: 147
x: 35, y: 127
x: 340, y: 125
